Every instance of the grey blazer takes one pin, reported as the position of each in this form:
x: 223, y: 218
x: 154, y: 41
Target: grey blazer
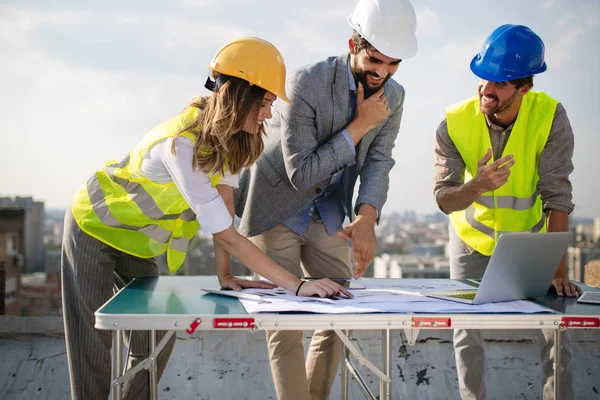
x: 302, y: 150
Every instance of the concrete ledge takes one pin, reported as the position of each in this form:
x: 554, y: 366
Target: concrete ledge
x: 44, y: 326
x: 228, y: 365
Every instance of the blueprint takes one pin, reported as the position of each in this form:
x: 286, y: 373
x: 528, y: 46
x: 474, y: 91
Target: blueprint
x: 379, y: 296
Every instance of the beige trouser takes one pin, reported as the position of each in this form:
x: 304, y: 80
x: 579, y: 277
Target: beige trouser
x: 316, y: 254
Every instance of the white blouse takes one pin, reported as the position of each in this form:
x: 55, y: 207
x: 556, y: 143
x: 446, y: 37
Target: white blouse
x: 161, y: 166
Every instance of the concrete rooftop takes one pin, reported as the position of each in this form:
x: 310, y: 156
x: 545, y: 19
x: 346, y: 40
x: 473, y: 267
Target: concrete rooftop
x: 234, y: 365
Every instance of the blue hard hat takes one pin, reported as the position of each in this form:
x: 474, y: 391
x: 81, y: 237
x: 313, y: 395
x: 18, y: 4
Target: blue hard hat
x: 510, y: 52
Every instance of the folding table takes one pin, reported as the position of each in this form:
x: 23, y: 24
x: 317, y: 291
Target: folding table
x: 173, y: 303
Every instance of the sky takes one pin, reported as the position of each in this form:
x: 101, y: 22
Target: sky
x: 82, y: 81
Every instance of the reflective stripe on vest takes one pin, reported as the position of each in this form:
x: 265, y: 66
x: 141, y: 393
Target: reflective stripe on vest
x: 516, y: 206
x: 124, y: 209
x: 486, y: 230
x: 142, y: 198
x: 507, y: 202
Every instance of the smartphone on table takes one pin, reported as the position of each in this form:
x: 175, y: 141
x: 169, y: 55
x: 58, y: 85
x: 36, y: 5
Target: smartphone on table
x: 589, y: 297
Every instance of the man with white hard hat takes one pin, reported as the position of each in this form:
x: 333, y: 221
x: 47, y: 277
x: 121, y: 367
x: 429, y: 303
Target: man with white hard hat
x: 342, y: 123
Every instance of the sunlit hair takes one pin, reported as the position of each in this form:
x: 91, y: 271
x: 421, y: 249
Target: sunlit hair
x: 519, y: 83
x: 361, y: 43
x: 220, y: 142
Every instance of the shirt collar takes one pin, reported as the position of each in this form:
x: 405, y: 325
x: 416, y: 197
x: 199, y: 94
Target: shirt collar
x: 351, y: 83
x: 495, y: 127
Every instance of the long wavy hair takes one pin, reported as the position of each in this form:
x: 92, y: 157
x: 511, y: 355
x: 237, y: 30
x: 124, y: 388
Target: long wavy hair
x: 221, y: 144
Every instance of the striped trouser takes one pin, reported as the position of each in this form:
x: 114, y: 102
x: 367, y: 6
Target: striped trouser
x: 88, y: 267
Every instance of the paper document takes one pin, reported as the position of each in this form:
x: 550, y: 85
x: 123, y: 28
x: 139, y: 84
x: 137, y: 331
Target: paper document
x: 429, y: 307
x: 415, y: 285
x: 233, y: 293
x: 271, y: 295
x: 379, y: 295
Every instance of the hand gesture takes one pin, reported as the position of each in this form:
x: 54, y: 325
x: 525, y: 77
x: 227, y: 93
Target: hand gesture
x: 322, y: 288
x: 362, y: 235
x: 372, y: 111
x: 491, y: 177
x: 231, y: 282
x: 566, y: 288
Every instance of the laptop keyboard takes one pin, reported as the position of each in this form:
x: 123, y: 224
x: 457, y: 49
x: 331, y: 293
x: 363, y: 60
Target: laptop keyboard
x: 467, y: 296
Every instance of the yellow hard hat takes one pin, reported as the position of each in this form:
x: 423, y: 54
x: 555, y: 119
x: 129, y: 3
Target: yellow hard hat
x: 254, y: 60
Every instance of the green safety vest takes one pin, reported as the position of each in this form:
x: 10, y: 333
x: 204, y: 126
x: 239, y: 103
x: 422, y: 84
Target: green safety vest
x: 124, y: 209
x: 516, y: 206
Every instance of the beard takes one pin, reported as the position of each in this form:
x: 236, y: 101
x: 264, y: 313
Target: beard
x: 361, y: 76
x: 500, y: 106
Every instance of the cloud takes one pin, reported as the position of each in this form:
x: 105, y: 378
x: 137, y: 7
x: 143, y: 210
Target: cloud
x: 567, y: 21
x: 62, y: 109
x: 201, y: 4
x: 549, y: 4
x: 313, y: 35
x: 115, y: 42
x: 428, y: 23
x: 558, y: 53
x: 459, y: 53
x: 19, y: 25
x: 80, y: 95
x: 179, y: 41
x: 592, y: 14
x: 78, y: 75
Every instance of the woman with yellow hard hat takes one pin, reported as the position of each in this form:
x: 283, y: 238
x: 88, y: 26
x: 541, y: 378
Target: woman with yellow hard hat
x: 179, y: 177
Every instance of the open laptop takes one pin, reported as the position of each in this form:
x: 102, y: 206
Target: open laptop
x: 521, y: 267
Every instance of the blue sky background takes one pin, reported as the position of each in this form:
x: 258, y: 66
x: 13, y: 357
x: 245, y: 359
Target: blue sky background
x: 82, y: 81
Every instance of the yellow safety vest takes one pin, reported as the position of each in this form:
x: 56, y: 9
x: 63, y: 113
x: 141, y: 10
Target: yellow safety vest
x: 516, y: 206
x: 124, y: 209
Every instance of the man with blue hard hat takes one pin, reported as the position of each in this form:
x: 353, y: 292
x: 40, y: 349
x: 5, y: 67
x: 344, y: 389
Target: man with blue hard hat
x: 503, y: 160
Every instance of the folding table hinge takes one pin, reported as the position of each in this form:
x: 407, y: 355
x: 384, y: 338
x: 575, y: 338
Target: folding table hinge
x: 429, y: 322
x: 233, y: 323
x: 193, y: 326
x: 360, y: 357
x: 411, y: 335
x: 581, y: 322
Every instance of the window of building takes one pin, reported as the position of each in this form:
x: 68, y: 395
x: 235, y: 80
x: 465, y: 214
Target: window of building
x: 12, y: 244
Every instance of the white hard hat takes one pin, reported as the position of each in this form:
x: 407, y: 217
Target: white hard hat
x: 388, y: 25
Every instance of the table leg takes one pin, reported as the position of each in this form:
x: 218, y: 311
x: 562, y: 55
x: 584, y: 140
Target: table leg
x: 344, y: 380
x: 352, y: 369
x: 153, y: 368
x: 557, y: 362
x: 389, y: 364
x: 386, y: 366
x: 360, y: 382
x: 117, y: 365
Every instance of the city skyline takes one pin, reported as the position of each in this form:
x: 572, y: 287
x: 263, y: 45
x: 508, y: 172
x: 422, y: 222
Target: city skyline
x: 82, y: 83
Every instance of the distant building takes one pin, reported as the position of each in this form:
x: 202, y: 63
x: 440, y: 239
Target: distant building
x: 592, y: 273
x: 53, y: 234
x: 53, y: 227
x: 12, y: 249
x: 597, y: 229
x: 40, y: 296
x: 577, y: 258
x: 33, y: 239
x: 581, y: 236
x: 428, y: 249
x: 411, y: 266
x: 52, y: 265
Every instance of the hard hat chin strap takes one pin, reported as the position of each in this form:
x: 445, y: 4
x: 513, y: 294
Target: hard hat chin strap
x: 214, y: 86
x: 210, y: 84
